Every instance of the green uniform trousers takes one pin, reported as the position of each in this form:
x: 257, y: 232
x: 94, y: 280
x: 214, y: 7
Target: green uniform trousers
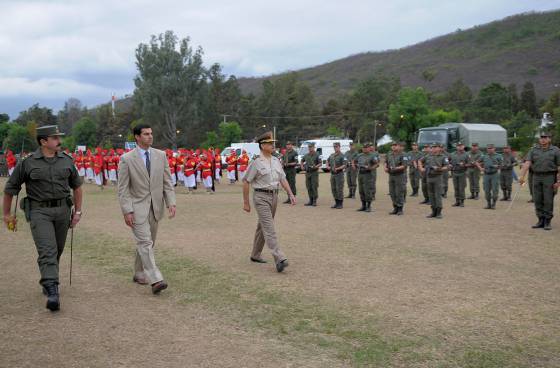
x: 414, y: 177
x: 445, y: 181
x: 312, y: 184
x: 373, y: 184
x: 435, y: 190
x: 49, y: 227
x: 530, y: 182
x: 459, y: 184
x: 425, y: 191
x: 337, y: 186
x: 506, y: 179
x: 543, y: 194
x: 291, y: 178
x: 491, y: 186
x: 397, y: 188
x: 365, y: 183
x: 473, y: 174
x: 352, y: 179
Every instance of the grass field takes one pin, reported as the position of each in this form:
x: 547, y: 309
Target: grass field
x: 476, y: 289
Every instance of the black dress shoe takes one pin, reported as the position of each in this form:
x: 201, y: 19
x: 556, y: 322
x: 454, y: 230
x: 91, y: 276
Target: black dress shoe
x: 258, y: 260
x: 53, y: 298
x: 281, y: 265
x: 540, y: 224
x: 158, y: 287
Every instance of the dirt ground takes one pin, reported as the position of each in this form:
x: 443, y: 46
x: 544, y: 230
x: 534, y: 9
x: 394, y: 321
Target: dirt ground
x: 477, y: 279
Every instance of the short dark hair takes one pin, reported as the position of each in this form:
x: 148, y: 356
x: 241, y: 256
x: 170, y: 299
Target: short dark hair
x: 137, y: 130
x: 39, y: 137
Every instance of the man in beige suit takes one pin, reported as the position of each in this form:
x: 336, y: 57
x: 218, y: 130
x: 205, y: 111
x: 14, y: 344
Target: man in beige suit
x: 144, y: 188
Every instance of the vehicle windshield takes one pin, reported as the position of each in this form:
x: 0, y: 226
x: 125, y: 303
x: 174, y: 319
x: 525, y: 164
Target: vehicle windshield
x: 432, y: 136
x: 303, y: 150
x: 226, y: 152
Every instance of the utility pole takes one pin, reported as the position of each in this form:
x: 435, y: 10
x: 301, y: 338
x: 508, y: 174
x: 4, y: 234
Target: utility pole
x: 225, y: 117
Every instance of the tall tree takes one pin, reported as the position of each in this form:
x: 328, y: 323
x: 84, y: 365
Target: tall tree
x: 70, y: 114
x: 528, y: 100
x: 4, y: 118
x: 170, y: 77
x: 408, y: 114
x: 492, y: 105
x: 513, y: 98
x: 85, y: 132
x: 40, y: 115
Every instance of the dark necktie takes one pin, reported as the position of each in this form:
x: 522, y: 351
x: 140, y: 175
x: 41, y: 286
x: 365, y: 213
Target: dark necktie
x: 148, y: 162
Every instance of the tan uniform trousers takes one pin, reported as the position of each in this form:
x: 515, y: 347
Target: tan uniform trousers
x: 265, y: 205
x: 145, y: 236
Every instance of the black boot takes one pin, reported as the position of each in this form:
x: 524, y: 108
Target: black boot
x: 414, y: 192
x: 433, y: 214
x: 438, y: 213
x: 547, y: 224
x: 339, y: 205
x: 310, y: 203
x: 462, y: 203
x: 504, y: 195
x: 472, y: 196
x: 368, y: 206
x: 493, y: 203
x: 488, y: 205
x: 400, y: 211
x: 476, y: 195
x: 540, y: 224
x: 335, y: 205
x: 457, y: 203
x: 425, y: 201
x: 363, y: 208
x: 394, y: 211
x: 509, y: 195
x: 349, y: 194
x: 53, y: 298
x: 314, y: 203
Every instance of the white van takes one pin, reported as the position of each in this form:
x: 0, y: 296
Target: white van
x: 252, y: 150
x: 324, y: 147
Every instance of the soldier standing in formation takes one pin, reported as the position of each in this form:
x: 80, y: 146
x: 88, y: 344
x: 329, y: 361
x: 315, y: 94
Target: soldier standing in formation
x: 473, y: 173
x: 265, y: 175
x: 458, y: 162
x: 49, y: 176
x: 395, y: 166
x: 544, y: 159
x: 366, y: 163
x: 351, y: 172
x: 336, y: 164
x: 433, y: 166
x: 413, y: 172
x: 311, y: 163
x: 445, y: 177
x: 290, y: 161
x: 373, y: 153
x: 426, y: 151
x: 506, y: 174
x: 490, y: 164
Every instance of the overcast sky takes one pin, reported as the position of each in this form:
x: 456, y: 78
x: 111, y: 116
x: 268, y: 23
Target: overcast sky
x: 53, y: 50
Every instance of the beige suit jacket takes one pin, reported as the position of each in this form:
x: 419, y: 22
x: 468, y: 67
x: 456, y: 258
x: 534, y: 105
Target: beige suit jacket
x: 138, y: 190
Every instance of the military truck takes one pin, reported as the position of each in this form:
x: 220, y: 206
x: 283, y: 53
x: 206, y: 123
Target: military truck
x: 449, y: 134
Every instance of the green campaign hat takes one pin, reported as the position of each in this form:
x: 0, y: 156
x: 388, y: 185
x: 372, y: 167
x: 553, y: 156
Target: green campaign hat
x: 48, y: 131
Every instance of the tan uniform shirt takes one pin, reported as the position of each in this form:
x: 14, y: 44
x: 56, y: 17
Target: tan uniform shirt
x: 263, y: 173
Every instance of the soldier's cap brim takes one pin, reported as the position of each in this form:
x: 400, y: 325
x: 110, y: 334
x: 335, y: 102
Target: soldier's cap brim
x: 267, y: 141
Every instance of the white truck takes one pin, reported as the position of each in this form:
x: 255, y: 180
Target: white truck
x: 324, y: 147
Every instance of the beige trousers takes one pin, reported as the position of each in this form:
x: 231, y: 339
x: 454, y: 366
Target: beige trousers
x: 265, y: 205
x: 145, y: 236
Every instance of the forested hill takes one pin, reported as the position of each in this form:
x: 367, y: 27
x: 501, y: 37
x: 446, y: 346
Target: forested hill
x: 517, y: 49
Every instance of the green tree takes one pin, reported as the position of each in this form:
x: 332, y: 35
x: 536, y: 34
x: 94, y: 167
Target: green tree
x: 169, y: 80
x: 457, y: 96
x: 69, y: 143
x: 4, y: 129
x: 85, y: 132
x: 4, y: 118
x: 41, y: 115
x: 492, y: 105
x: 409, y: 113
x: 229, y: 132
x: 70, y: 114
x: 528, y: 100
x: 513, y: 98
x: 18, y: 137
x: 521, y: 130
x: 212, y: 140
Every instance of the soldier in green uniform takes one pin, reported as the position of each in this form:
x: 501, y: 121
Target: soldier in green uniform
x: 413, y: 172
x: 545, y: 161
x: 373, y: 152
x: 336, y: 164
x: 473, y: 173
x: 506, y: 173
x: 426, y: 151
x: 395, y: 166
x: 366, y: 162
x: 50, y: 177
x: 458, y: 161
x: 311, y: 163
x: 290, y: 161
x: 445, y: 177
x: 490, y: 164
x: 351, y: 173
x: 433, y: 167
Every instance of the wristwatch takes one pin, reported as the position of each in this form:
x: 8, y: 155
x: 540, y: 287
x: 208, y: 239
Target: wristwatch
x: 78, y: 213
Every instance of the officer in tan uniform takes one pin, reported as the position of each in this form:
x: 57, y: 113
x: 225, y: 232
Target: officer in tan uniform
x: 265, y: 175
